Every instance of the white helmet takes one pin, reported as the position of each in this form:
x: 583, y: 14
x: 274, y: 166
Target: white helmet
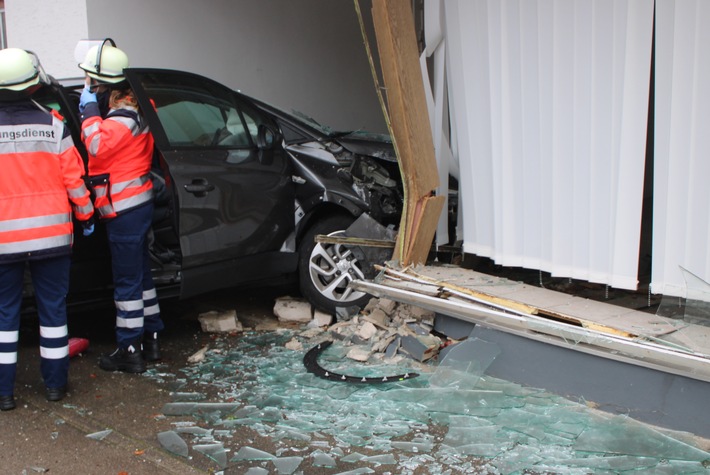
x: 17, y: 70
x: 105, y: 63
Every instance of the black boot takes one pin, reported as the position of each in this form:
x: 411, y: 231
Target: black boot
x: 7, y: 403
x: 128, y: 360
x: 56, y: 394
x: 151, y: 347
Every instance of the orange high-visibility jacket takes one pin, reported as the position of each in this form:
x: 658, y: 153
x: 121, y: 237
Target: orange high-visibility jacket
x: 40, y: 178
x: 121, y: 146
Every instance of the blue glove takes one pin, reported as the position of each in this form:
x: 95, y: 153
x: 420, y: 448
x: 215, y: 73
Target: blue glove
x: 86, y: 97
x: 88, y: 227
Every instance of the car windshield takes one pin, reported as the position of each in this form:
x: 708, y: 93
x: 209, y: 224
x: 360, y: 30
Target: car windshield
x: 308, y: 120
x: 303, y: 120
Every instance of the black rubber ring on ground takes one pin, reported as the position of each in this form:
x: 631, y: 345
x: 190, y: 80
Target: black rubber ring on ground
x: 310, y: 361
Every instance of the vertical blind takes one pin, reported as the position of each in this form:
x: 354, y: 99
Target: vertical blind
x: 681, y: 192
x: 548, y: 103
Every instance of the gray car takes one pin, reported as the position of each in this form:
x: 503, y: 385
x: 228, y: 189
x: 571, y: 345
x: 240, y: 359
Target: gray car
x: 242, y: 189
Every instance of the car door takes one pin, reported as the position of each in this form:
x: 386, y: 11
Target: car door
x: 91, y: 278
x: 233, y: 192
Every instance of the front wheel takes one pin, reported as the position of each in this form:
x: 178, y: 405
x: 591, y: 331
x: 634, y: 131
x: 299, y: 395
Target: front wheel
x: 325, y: 270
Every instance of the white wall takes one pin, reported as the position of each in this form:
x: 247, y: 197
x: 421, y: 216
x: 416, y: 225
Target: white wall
x: 304, y: 54
x: 681, y: 217
x: 299, y: 54
x: 49, y: 28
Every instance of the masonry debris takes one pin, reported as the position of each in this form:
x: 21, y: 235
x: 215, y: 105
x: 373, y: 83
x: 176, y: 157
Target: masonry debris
x: 288, y: 309
x: 199, y: 355
x: 216, y: 322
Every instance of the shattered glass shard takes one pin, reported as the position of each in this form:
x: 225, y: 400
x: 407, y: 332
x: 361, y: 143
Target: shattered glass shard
x: 215, y: 452
x: 194, y: 430
x: 384, y: 459
x: 101, y: 435
x: 357, y: 471
x: 256, y: 471
x: 353, y: 457
x: 250, y: 453
x: 321, y: 459
x: 621, y: 435
x: 286, y: 465
x: 464, y: 364
x: 172, y: 442
x: 191, y: 408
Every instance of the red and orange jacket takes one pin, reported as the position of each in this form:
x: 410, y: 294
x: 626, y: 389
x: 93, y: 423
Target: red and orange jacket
x: 120, y: 146
x: 40, y: 180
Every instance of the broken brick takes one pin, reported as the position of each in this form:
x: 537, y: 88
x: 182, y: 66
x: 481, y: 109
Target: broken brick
x: 219, y: 322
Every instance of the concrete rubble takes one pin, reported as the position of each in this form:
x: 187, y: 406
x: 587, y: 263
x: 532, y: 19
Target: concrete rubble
x: 383, y: 324
x: 218, y: 322
x: 288, y: 309
x: 389, y: 329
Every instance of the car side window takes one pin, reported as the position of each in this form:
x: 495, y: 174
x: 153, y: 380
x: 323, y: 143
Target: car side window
x: 193, y: 121
x: 194, y: 113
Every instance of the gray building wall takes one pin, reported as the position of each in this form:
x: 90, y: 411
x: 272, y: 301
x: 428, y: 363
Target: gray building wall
x: 306, y: 55
x: 50, y: 29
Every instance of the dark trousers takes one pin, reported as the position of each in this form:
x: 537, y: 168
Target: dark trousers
x: 134, y: 294
x: 50, y: 279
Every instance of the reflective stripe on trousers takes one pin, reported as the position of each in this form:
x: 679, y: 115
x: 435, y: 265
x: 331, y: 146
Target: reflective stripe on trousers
x: 50, y: 278
x: 127, y: 235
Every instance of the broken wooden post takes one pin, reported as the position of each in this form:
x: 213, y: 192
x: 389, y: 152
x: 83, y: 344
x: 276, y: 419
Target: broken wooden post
x: 409, y: 126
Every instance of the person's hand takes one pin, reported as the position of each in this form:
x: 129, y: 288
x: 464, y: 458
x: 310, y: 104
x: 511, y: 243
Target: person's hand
x: 86, y: 97
x: 88, y: 227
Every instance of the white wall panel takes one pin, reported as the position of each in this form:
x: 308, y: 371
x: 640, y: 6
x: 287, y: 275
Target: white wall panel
x: 550, y: 104
x: 681, y: 221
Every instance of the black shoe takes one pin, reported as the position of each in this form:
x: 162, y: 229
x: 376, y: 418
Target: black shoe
x: 151, y: 347
x: 7, y: 403
x: 128, y: 360
x: 56, y: 394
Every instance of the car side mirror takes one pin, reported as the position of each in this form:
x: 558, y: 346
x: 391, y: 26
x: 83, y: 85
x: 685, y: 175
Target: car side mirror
x: 267, y: 138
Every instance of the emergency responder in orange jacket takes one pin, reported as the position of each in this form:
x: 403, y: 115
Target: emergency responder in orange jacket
x: 41, y: 178
x: 120, y: 148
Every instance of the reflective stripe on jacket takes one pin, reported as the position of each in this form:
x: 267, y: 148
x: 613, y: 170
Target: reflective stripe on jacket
x: 121, y: 146
x: 40, y: 180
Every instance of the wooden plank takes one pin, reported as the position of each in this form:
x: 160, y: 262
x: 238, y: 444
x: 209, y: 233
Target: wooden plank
x: 426, y: 217
x: 396, y: 39
x: 411, y: 132
x: 354, y: 241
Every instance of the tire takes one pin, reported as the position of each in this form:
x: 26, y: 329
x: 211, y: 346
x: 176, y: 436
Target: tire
x: 325, y: 270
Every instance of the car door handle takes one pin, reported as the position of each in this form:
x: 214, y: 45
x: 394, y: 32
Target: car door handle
x: 199, y: 187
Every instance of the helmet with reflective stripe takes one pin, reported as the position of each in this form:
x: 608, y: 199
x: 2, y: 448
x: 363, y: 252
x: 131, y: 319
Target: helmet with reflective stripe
x: 105, y: 62
x: 17, y: 70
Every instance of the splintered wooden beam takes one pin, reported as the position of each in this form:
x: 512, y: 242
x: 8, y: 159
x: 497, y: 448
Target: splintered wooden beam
x: 409, y: 126
x: 354, y: 241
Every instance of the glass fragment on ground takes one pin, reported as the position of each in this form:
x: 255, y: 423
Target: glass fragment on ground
x: 489, y: 425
